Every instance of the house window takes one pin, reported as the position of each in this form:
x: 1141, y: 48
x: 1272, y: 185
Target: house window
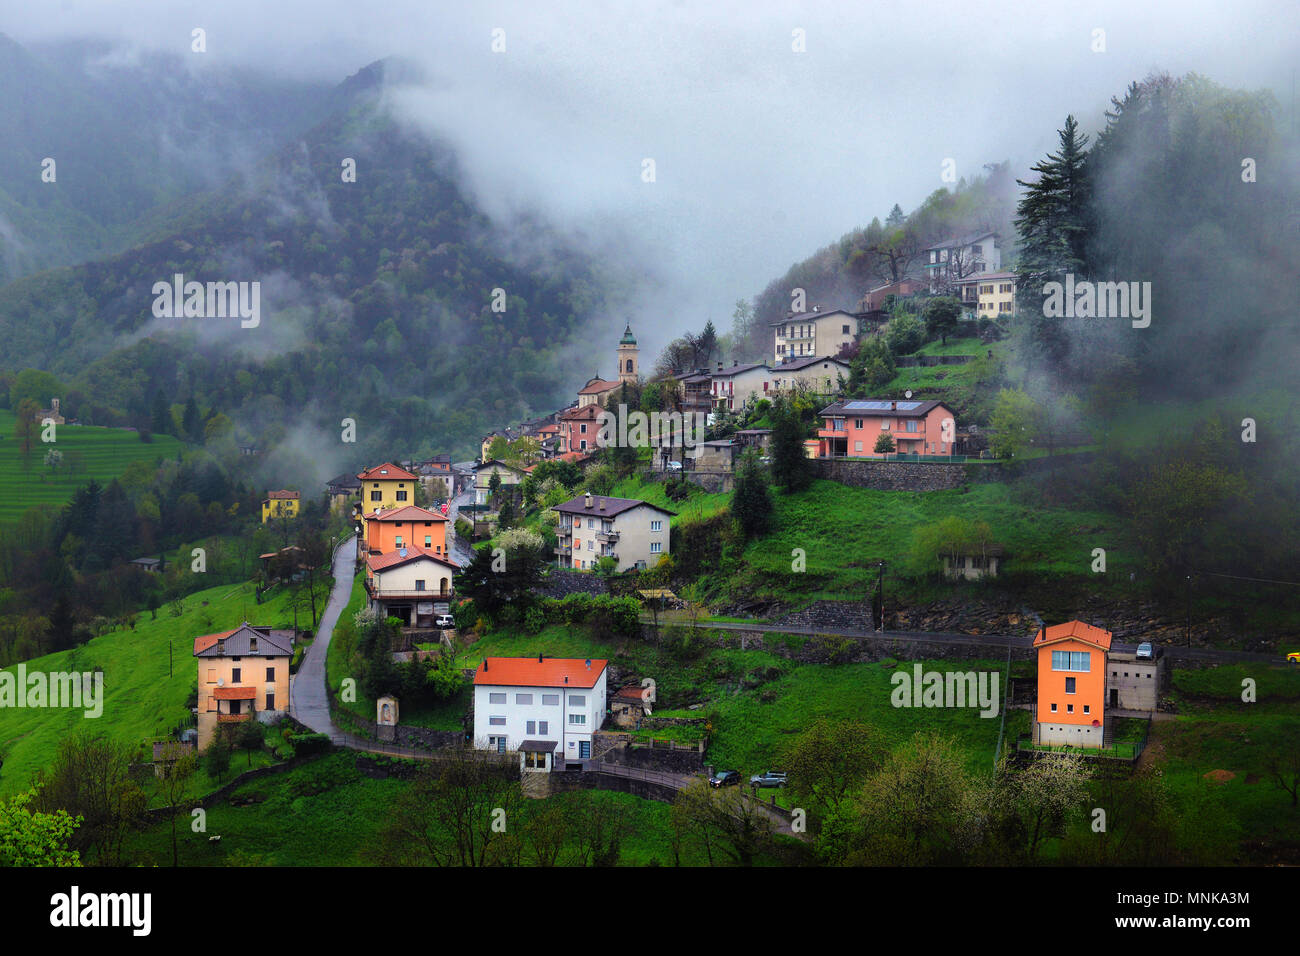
x: 1087, y: 709
x: 885, y: 424
x: 397, y: 539
x: 656, y: 525
x: 550, y: 700
x: 1053, y: 708
x: 583, y: 428
x: 270, y: 675
x: 235, y: 673
x: 577, y: 700
x: 543, y: 726
x: 1069, y: 708
x: 577, y: 719
x: 1069, y: 684
x: 911, y: 424
x: 376, y: 495
x: 212, y: 675
x: 524, y: 699
x: 857, y: 447
x: 656, y: 547
x: 591, y: 545
x: 496, y: 698
x: 401, y: 496
x: 1080, y: 661
x: 531, y: 726
x: 270, y: 700
x: 497, y: 721
x: 845, y: 330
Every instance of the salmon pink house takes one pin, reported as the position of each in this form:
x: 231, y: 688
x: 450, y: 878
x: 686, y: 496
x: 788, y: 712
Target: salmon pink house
x: 852, y: 428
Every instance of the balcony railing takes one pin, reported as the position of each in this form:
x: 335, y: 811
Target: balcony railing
x: 609, y: 537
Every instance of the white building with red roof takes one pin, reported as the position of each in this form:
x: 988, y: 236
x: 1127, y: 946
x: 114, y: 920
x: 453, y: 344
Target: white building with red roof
x: 410, y: 584
x: 548, y: 709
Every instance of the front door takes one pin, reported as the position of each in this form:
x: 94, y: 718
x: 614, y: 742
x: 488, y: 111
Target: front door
x: 1114, y: 697
x: 584, y: 749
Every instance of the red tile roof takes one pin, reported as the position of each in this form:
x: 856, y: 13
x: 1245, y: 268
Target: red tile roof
x: 381, y: 562
x: 207, y: 640
x: 386, y: 472
x: 577, y: 414
x: 235, y: 693
x: 405, y: 513
x: 1076, y: 630
x: 530, y: 672
x: 283, y: 495
x: 597, y: 386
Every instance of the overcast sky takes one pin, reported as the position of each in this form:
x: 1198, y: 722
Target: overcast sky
x: 762, y: 154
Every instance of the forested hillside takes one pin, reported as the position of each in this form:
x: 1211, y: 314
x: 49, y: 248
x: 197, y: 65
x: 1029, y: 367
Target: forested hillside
x: 370, y: 292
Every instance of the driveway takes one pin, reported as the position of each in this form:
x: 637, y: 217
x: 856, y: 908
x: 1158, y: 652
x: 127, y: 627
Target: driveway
x: 309, y: 699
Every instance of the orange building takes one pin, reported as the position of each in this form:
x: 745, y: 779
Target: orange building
x: 1071, y: 684
x: 405, y: 527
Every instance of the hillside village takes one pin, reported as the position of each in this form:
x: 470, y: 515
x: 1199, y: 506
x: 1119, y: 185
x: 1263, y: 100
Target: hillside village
x: 736, y: 603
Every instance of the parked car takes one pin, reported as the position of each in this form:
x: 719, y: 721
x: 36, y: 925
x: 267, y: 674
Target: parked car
x: 444, y: 620
x: 725, y: 778
x: 1293, y: 657
x: 1145, y: 651
x: 673, y: 465
x: 769, y: 778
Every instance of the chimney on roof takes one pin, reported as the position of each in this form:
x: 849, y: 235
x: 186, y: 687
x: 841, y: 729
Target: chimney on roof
x: 893, y: 406
x: 719, y: 366
x: 588, y: 663
x: 539, y: 657
x: 601, y: 506
x: 587, y: 502
x: 566, y: 678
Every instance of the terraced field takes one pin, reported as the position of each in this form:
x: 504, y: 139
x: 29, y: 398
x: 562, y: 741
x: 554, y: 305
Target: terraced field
x: 88, y: 452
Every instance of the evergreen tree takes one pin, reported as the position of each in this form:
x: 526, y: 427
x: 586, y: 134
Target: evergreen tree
x: 751, y: 502
x: 160, y: 416
x: 191, y: 422
x: 790, y: 466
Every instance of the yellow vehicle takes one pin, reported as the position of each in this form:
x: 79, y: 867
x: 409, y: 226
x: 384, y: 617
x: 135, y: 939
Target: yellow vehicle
x: 1293, y: 657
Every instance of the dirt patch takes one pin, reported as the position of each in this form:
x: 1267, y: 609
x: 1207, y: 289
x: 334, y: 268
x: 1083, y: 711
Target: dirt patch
x: 1219, y: 776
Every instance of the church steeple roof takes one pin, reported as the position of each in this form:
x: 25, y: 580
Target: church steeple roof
x: 628, y: 338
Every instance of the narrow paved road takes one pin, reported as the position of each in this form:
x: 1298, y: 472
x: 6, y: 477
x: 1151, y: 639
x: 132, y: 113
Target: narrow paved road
x: 309, y: 699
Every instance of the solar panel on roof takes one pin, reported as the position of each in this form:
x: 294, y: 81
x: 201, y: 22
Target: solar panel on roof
x: 862, y: 406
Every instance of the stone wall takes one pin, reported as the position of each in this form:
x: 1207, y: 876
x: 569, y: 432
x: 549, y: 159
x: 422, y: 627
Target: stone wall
x: 560, y: 583
x: 657, y: 758
x: 937, y: 475
x: 645, y: 789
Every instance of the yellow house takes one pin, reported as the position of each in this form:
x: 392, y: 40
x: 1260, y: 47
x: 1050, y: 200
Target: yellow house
x: 240, y: 673
x: 386, y: 486
x: 989, y: 294
x: 279, y: 503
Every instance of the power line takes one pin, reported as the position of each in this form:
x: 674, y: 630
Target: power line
x: 1242, y: 577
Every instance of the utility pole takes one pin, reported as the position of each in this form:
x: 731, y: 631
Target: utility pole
x: 1189, y: 611
x: 880, y: 592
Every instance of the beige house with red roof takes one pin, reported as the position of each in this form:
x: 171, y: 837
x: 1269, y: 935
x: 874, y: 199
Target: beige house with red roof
x: 241, y: 673
x: 408, y: 584
x: 547, y: 709
x: 597, y: 391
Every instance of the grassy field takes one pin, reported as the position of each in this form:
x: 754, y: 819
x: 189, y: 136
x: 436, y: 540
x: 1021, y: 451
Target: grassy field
x: 325, y: 813
x: 846, y: 531
x: 141, y: 700
x: 101, y: 454
x: 699, y: 505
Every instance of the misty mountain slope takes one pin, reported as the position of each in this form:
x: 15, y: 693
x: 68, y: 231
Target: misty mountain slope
x: 374, y: 300
x: 127, y: 135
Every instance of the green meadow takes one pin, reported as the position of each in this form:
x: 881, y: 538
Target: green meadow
x: 88, y: 452
x: 146, y: 689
